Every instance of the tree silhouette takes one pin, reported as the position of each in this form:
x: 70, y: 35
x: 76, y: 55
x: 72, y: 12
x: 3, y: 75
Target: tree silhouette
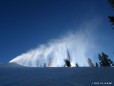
x: 97, y: 64
x: 111, y: 2
x: 90, y: 63
x: 101, y: 63
x: 104, y: 60
x: 77, y: 65
x: 111, y: 18
x: 67, y: 61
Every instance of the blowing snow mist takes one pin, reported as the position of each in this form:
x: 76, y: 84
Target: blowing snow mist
x: 79, y: 44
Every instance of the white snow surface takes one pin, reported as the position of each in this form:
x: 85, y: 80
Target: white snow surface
x: 57, y: 76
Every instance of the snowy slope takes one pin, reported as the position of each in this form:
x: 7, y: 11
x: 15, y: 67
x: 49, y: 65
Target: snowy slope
x: 83, y: 76
x: 10, y: 65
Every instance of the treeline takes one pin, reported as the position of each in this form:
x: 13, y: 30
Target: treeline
x: 104, y: 61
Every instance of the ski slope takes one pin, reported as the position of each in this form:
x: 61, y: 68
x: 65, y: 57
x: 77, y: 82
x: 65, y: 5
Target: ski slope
x: 32, y: 76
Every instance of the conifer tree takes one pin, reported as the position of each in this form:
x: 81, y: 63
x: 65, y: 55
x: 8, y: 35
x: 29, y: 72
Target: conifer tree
x: 111, y: 18
x: 77, y: 65
x: 97, y: 64
x: 67, y: 61
x: 111, y: 2
x: 105, y: 61
x: 90, y: 63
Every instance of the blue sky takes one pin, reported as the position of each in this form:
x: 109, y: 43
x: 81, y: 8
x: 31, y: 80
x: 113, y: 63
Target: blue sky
x: 25, y: 24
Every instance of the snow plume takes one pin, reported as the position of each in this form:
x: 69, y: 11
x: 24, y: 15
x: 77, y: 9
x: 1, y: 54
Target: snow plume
x: 79, y: 43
